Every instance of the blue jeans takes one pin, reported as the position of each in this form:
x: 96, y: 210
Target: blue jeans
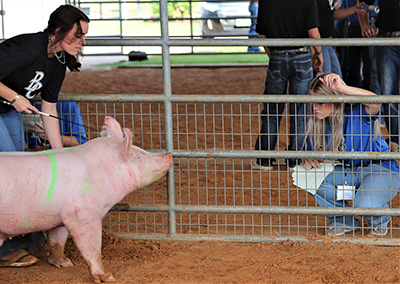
x: 331, y: 62
x: 286, y: 68
x: 359, y: 72
x: 375, y: 187
x: 12, y: 132
x: 253, y: 9
x: 388, y: 66
x: 374, y: 81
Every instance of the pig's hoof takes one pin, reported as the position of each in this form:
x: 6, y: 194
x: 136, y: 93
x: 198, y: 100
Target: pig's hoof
x: 106, y: 277
x: 62, y: 262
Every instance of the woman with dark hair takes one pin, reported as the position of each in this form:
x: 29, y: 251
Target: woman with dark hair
x: 350, y: 127
x: 33, y: 64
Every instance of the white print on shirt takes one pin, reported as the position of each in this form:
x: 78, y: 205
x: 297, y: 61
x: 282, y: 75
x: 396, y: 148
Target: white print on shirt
x: 333, y: 3
x: 34, y: 85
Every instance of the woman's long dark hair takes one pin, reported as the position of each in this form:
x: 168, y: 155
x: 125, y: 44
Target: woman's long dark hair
x: 64, y: 18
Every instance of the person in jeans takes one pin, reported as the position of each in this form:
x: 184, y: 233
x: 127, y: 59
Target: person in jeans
x: 33, y: 64
x: 290, y: 68
x: 350, y: 127
x: 329, y: 11
x: 253, y: 9
x: 387, y: 60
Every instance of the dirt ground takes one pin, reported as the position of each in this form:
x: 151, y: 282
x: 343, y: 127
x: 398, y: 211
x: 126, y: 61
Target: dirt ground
x: 209, y: 261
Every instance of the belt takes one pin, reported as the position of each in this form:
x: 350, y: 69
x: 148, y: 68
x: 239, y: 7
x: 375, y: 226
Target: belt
x: 389, y: 34
x: 299, y: 50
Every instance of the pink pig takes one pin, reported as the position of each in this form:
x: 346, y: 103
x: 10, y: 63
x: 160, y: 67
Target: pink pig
x: 71, y: 189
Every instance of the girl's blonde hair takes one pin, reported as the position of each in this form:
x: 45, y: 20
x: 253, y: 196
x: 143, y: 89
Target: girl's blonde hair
x: 316, y: 128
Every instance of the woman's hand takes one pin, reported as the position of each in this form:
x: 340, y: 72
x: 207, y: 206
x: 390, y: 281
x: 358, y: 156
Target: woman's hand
x: 359, y: 10
x: 39, y: 130
x: 368, y: 32
x: 309, y: 164
x: 333, y: 81
x: 23, y: 105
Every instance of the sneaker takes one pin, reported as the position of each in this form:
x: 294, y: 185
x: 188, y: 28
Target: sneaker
x: 379, y: 231
x: 19, y: 258
x: 256, y: 166
x: 337, y: 231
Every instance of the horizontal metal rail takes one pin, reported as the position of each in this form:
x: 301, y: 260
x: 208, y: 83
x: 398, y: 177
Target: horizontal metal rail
x: 375, y: 41
x: 229, y: 98
x: 250, y: 238
x: 288, y: 154
x: 243, y: 209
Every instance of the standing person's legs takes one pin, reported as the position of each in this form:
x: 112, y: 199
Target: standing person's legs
x: 374, y: 80
x: 341, y: 31
x: 276, y: 83
x: 366, y: 68
x: 253, y: 9
x: 388, y: 66
x: 355, y: 59
x: 354, y: 77
x: 12, y: 132
x: 299, y: 84
x: 331, y: 62
x: 326, y: 67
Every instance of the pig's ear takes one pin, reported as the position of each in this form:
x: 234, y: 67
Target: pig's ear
x: 111, y: 128
x: 126, y: 145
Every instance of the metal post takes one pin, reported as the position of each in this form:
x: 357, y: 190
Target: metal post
x: 2, y: 19
x: 168, y: 111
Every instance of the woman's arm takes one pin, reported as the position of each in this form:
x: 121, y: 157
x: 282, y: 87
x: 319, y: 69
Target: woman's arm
x: 67, y: 140
x: 343, y: 13
x: 336, y: 83
x: 19, y: 102
x: 51, y: 125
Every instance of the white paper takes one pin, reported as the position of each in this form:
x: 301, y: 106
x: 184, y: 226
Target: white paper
x: 310, y: 180
x: 345, y: 192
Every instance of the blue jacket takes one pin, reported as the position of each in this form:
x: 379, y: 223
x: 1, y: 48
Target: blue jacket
x: 358, y: 133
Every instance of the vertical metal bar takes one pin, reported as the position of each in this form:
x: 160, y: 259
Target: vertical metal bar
x: 121, y: 19
x: 2, y: 19
x: 168, y: 111
x: 191, y: 25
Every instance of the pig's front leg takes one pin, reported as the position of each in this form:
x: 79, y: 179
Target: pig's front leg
x: 57, y: 238
x: 87, y: 237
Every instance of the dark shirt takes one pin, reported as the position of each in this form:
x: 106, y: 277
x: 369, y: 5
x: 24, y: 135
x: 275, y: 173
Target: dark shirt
x: 26, y: 68
x: 388, y: 19
x: 325, y: 12
x: 286, y: 18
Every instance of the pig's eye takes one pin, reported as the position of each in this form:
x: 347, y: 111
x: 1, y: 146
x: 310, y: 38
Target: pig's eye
x: 138, y: 158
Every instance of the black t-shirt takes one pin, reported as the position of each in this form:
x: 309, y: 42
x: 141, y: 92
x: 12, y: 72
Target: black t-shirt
x: 388, y: 19
x: 325, y: 12
x: 286, y: 18
x: 26, y: 68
